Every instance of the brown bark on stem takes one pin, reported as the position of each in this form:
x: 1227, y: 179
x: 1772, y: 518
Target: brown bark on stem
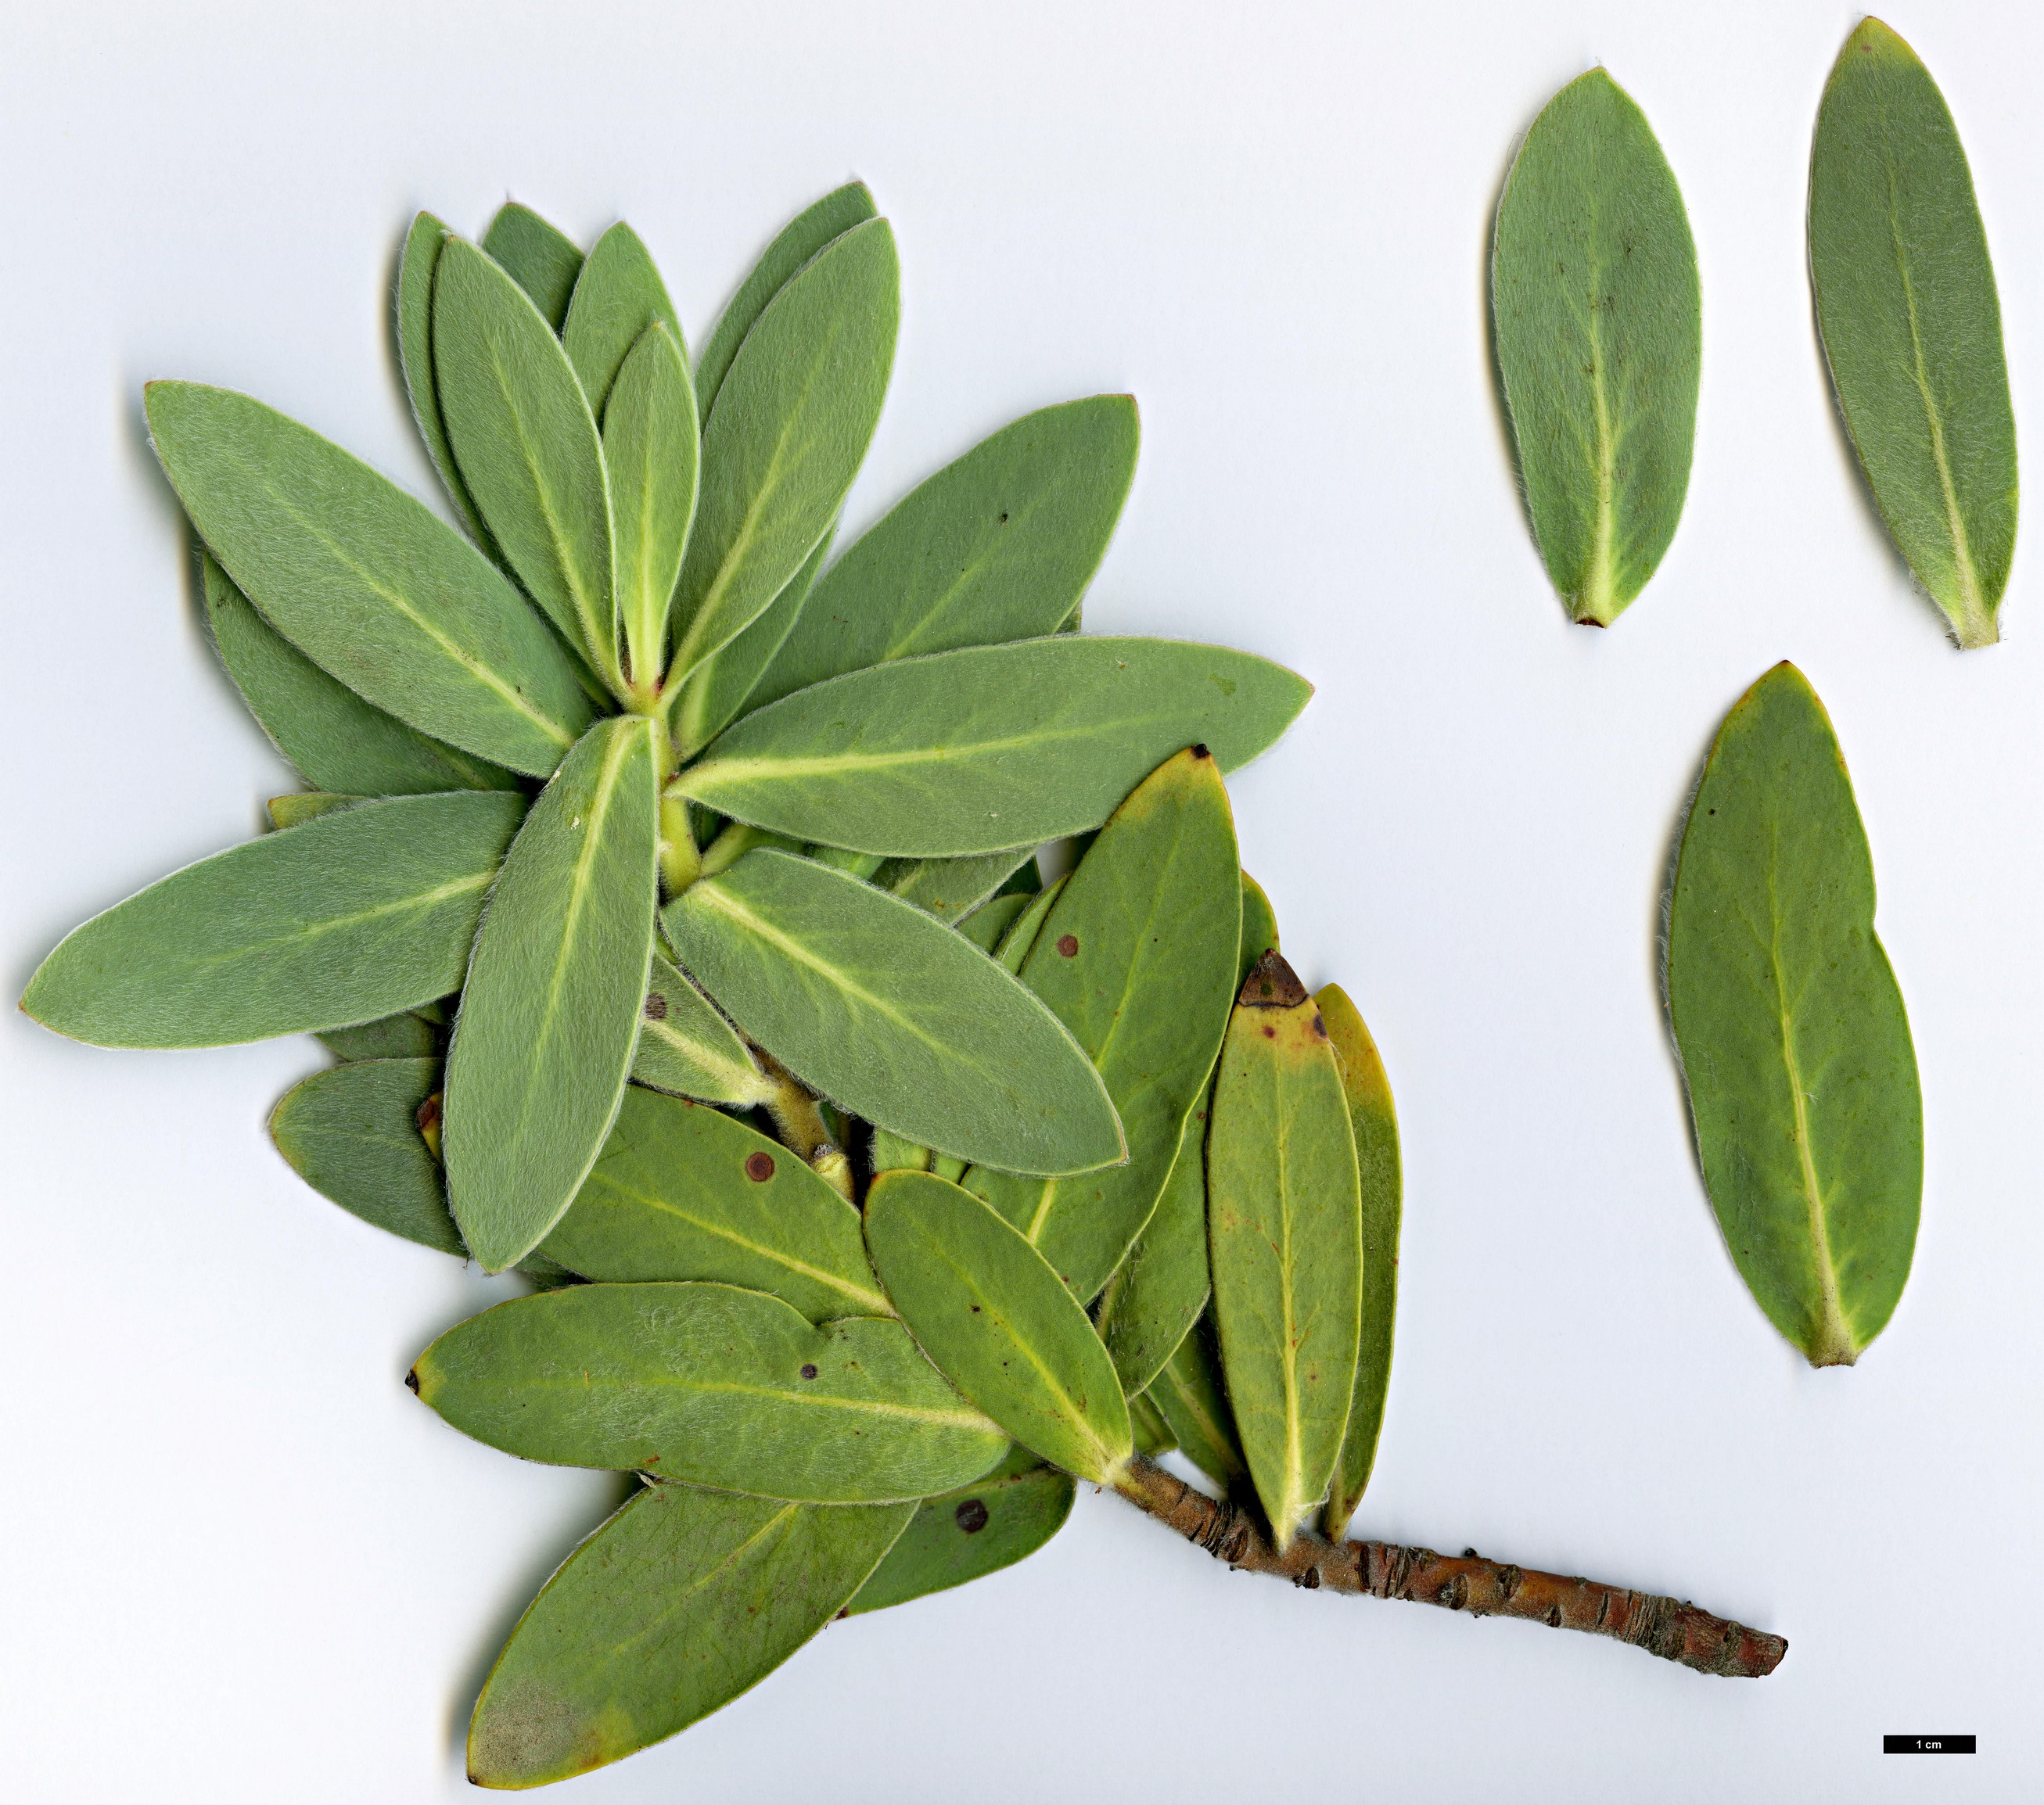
x: 1665, y: 1626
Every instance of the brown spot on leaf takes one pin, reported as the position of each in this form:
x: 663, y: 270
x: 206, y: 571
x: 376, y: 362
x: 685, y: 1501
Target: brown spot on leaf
x: 809, y: 1369
x: 1269, y: 1033
x: 1272, y: 984
x: 1200, y: 751
x: 656, y: 1007
x: 759, y: 1167
x: 972, y: 1516
x: 1068, y: 945
x: 428, y: 1114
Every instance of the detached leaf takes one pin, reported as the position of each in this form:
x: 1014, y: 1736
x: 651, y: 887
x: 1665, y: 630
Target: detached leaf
x: 650, y: 452
x: 1911, y: 324
x: 710, y: 1385
x: 1374, y: 1121
x: 682, y: 1601
x: 1151, y: 1302
x: 686, y: 1047
x: 1597, y: 313
x: 527, y: 447
x: 891, y: 1015
x: 998, y: 546
x: 1138, y: 959
x: 1188, y: 1395
x: 835, y: 214
x: 352, y: 1135
x: 1794, y: 1040
x: 1284, y: 1232
x: 618, y: 295
x: 423, y: 245
x: 965, y: 1535
x: 992, y: 747
x: 366, y: 581
x: 554, y: 994
x: 790, y: 427
x: 542, y: 260
x: 350, y: 916
x: 991, y: 1313
x: 684, y: 1193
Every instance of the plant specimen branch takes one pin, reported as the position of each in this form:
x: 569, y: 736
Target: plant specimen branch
x: 1666, y: 1626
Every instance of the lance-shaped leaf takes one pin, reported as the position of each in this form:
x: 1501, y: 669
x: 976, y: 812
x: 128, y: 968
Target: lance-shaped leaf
x: 686, y: 1046
x: 1597, y: 314
x: 1189, y: 1396
x: 407, y: 1034
x: 1911, y: 324
x: 551, y: 1009
x: 798, y: 241
x: 650, y: 452
x: 718, y: 689
x: 618, y: 294
x: 527, y: 445
x: 1284, y: 1230
x: 891, y: 1015
x: 1259, y: 927
x: 951, y: 888
x: 337, y: 740
x: 367, y: 582
x: 1374, y: 1121
x: 353, y: 1134
x: 542, y: 259
x: 682, y: 1601
x: 998, y: 546
x: 987, y: 927
x: 1019, y: 940
x: 1794, y: 1041
x: 992, y: 1314
x: 711, y: 1385
x: 685, y: 1192
x: 350, y: 916
x: 420, y: 257
x: 1157, y: 1294
x: 1138, y: 959
x: 791, y: 425
x: 977, y: 1529
x: 305, y: 805
x: 994, y: 746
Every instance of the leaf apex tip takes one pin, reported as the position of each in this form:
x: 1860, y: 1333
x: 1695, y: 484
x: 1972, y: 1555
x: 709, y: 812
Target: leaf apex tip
x: 1271, y: 984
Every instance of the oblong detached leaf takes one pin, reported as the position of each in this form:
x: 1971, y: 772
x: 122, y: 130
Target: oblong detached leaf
x: 650, y: 459
x: 890, y: 1015
x: 990, y: 1310
x: 970, y: 751
x: 347, y: 917
x: 541, y: 259
x: 1911, y: 324
x: 420, y: 257
x: 1598, y: 315
x: 366, y: 582
x: 682, y: 1601
x: 618, y: 294
x: 685, y: 1193
x: 352, y: 1135
x: 711, y: 1385
x: 1794, y: 1040
x: 550, y: 1012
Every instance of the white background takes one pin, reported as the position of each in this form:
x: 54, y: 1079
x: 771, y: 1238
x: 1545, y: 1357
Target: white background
x: 243, y: 1564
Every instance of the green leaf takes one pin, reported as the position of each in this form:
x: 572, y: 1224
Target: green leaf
x: 835, y: 214
x: 1597, y: 313
x: 893, y: 1016
x: 420, y: 257
x: 967, y: 1533
x: 1794, y: 1041
x: 405, y: 1035
x: 307, y: 805
x: 555, y: 994
x: 1911, y: 324
x: 711, y: 1385
x: 1020, y: 941
x: 987, y: 925
x: 780, y: 449
x: 683, y: 1192
x: 618, y: 296
x: 1259, y: 927
x: 350, y: 916
x: 719, y: 689
x: 367, y: 582
x: 1138, y: 959
x: 890, y: 1153
x: 954, y: 889
x: 682, y: 1601
x: 992, y: 1313
x: 1374, y: 1121
x: 686, y: 1047
x: 650, y: 453
x: 1153, y: 1433
x: 542, y: 260
x: 1188, y: 1395
x: 527, y: 447
x: 352, y: 1135
x: 1284, y: 1230
x: 994, y: 746
x: 1157, y: 1294
x: 337, y: 740
x: 998, y: 546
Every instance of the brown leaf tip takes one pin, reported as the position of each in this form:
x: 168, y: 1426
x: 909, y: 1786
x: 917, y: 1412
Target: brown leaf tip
x: 411, y: 1379
x: 1200, y: 751
x: 759, y: 1167
x: 1272, y: 984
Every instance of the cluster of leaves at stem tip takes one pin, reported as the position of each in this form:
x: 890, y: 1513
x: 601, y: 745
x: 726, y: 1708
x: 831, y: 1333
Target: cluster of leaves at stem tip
x: 668, y: 889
